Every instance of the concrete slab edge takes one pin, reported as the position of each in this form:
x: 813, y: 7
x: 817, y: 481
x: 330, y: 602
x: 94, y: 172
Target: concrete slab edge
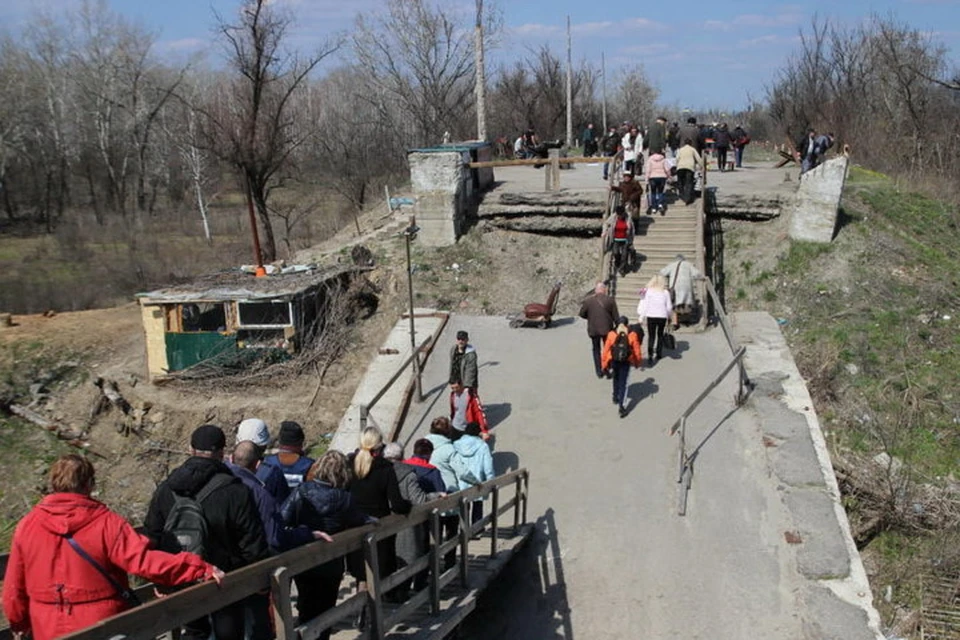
x: 395, y: 349
x: 768, y: 354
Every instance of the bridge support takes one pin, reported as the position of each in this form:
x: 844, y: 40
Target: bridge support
x: 446, y: 188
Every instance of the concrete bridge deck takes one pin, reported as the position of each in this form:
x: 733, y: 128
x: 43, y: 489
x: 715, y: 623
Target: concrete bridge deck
x: 611, y: 557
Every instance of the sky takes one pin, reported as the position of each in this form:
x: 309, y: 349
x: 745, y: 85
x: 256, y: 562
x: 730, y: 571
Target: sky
x: 699, y: 53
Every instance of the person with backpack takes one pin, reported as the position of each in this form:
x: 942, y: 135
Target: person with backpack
x: 70, y: 557
x: 203, y: 508
x: 621, y: 350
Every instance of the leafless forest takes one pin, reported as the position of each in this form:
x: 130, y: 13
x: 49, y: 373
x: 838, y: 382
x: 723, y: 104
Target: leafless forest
x: 120, y: 169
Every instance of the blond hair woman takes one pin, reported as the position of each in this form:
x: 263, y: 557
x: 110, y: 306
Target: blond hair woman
x: 376, y: 492
x: 655, y: 307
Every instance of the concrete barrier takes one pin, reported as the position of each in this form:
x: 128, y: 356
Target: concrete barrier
x: 818, y: 201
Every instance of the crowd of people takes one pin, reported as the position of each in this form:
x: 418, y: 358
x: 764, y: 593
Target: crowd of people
x: 616, y: 343
x: 224, y: 509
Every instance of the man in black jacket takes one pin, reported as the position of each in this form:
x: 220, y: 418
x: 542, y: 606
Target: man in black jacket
x: 610, y: 144
x: 235, y: 533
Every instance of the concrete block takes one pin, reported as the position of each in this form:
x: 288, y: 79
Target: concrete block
x: 835, y: 619
x: 822, y: 554
x: 438, y: 171
x: 818, y: 201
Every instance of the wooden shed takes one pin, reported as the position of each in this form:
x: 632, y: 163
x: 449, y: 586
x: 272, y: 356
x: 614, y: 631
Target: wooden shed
x: 221, y: 314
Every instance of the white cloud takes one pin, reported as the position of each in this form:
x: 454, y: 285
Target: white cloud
x: 644, y: 49
x: 536, y: 30
x: 756, y: 20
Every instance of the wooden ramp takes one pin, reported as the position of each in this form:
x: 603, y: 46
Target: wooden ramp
x: 456, y: 602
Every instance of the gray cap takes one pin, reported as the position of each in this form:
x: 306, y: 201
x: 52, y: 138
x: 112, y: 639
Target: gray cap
x: 393, y: 451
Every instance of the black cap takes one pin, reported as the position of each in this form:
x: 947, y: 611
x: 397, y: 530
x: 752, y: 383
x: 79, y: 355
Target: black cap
x: 291, y: 434
x: 623, y: 320
x: 208, y: 438
x: 462, y: 335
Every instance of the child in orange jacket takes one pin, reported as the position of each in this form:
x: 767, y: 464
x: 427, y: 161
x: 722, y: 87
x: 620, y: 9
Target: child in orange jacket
x: 621, y: 350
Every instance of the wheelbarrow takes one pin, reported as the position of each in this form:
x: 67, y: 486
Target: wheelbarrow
x: 539, y: 314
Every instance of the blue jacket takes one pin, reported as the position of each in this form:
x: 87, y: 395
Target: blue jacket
x: 427, y: 475
x: 448, y: 460
x: 293, y: 473
x: 476, y: 455
x: 274, y: 481
x: 321, y: 507
x: 279, y: 537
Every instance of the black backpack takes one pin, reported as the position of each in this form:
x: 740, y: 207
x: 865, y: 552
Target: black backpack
x: 185, y: 528
x: 621, y: 348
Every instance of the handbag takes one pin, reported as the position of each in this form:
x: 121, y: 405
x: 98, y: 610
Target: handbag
x: 669, y: 342
x: 126, y: 594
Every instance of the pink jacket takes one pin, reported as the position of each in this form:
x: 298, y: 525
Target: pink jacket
x: 657, y: 167
x: 655, y: 304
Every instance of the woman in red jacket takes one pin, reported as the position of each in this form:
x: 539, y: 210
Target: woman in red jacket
x: 50, y: 589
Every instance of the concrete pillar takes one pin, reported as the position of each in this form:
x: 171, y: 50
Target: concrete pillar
x: 818, y: 201
x: 438, y: 178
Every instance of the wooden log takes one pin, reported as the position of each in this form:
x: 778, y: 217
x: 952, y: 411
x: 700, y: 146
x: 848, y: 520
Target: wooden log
x: 109, y: 389
x: 63, y: 433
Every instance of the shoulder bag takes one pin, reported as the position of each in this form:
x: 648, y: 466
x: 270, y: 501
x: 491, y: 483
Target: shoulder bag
x: 126, y: 594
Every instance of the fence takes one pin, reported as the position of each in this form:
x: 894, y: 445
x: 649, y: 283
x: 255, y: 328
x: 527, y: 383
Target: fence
x: 275, y: 574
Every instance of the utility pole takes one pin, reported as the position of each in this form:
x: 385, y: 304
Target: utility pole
x: 569, y: 88
x: 603, y: 86
x: 481, y: 75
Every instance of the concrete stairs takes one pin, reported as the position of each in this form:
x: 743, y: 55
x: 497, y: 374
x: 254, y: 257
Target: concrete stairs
x: 659, y: 238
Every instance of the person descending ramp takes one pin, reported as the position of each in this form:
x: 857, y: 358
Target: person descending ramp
x: 186, y: 522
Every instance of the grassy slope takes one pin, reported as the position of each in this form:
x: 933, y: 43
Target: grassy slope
x: 872, y: 321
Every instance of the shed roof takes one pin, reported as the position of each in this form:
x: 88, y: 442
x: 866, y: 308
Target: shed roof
x: 234, y: 284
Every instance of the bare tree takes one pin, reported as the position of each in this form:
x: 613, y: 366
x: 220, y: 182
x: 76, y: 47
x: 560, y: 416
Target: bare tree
x: 254, y: 127
x: 634, y: 96
x: 421, y: 57
x: 355, y: 147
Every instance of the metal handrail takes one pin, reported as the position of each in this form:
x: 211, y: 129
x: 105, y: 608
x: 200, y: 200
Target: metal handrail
x: 276, y: 573
x: 365, y: 407
x: 685, y: 474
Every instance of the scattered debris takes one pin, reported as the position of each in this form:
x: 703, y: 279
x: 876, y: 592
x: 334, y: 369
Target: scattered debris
x: 792, y: 537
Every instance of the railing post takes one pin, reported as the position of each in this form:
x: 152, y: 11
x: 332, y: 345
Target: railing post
x: 374, y: 597
x: 683, y: 447
x: 364, y: 413
x: 435, y: 564
x: 493, y: 522
x: 526, y: 490
x: 516, y: 507
x: 282, y: 609
x: 464, y: 539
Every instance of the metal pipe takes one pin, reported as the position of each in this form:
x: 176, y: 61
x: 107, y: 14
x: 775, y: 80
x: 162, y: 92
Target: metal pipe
x: 409, y: 233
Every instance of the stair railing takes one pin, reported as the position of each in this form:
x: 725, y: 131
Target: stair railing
x: 275, y: 574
